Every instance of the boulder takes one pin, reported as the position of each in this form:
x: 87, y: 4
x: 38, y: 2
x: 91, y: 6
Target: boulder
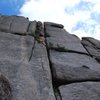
x: 93, y: 51
x: 92, y: 46
x: 53, y: 25
x: 73, y: 67
x: 60, y: 38
x: 93, y: 41
x: 19, y: 25
x: 85, y: 42
x: 5, y: 23
x: 14, y: 24
x: 32, y: 27
x: 81, y: 91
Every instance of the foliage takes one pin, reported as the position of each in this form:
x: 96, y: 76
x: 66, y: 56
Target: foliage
x: 36, y: 36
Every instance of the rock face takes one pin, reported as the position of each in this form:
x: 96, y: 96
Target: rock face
x: 32, y: 26
x: 5, y: 89
x: 81, y: 91
x: 42, y: 61
x: 14, y: 24
x: 74, y: 63
x: 92, y: 46
x: 76, y: 68
x: 60, y: 38
x: 26, y: 65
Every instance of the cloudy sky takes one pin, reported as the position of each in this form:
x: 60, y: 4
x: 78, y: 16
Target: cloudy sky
x: 80, y: 17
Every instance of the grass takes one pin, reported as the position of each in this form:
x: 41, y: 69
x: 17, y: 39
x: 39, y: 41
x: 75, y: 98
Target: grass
x: 36, y: 36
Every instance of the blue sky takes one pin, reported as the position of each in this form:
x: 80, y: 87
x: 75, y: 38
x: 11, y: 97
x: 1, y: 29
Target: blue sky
x: 80, y: 17
x: 10, y: 7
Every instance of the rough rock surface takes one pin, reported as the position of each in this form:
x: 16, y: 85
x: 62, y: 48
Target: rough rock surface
x: 5, y: 23
x: 92, y: 45
x: 61, y: 38
x: 19, y: 25
x: 73, y: 67
x: 32, y: 27
x: 14, y: 24
x: 93, y: 41
x: 42, y: 61
x: 73, y: 61
x: 53, y: 24
x: 26, y: 65
x: 81, y: 91
x: 5, y: 88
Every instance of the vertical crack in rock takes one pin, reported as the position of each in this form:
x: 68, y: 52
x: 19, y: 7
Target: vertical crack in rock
x: 26, y: 84
x: 32, y: 29
x: 57, y: 93
x: 11, y: 23
x: 55, y: 88
x: 42, y: 69
x: 32, y: 50
x: 42, y: 64
x: 66, y: 61
x: 28, y: 27
x: 26, y: 56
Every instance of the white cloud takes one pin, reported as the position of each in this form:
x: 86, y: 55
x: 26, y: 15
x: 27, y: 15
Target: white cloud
x: 49, y: 10
x: 54, y: 11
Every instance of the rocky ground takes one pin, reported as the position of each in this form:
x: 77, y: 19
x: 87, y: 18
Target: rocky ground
x: 42, y: 61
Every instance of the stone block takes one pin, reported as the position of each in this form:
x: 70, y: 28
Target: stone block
x: 32, y: 27
x: 61, y: 38
x: 73, y: 67
x: 19, y: 25
x: 5, y: 23
x: 93, y: 51
x: 54, y: 25
x: 93, y: 41
x: 81, y: 91
x: 92, y: 46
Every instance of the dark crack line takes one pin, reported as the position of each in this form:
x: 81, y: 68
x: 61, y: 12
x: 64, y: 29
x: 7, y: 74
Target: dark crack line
x: 74, y: 81
x: 71, y: 51
x: 42, y: 65
x: 52, y: 72
x: 87, y: 50
x: 28, y: 27
x: 32, y: 50
x: 91, y: 43
x: 57, y: 93
x: 11, y: 24
x: 55, y: 89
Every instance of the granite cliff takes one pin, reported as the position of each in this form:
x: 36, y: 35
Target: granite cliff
x: 42, y: 61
